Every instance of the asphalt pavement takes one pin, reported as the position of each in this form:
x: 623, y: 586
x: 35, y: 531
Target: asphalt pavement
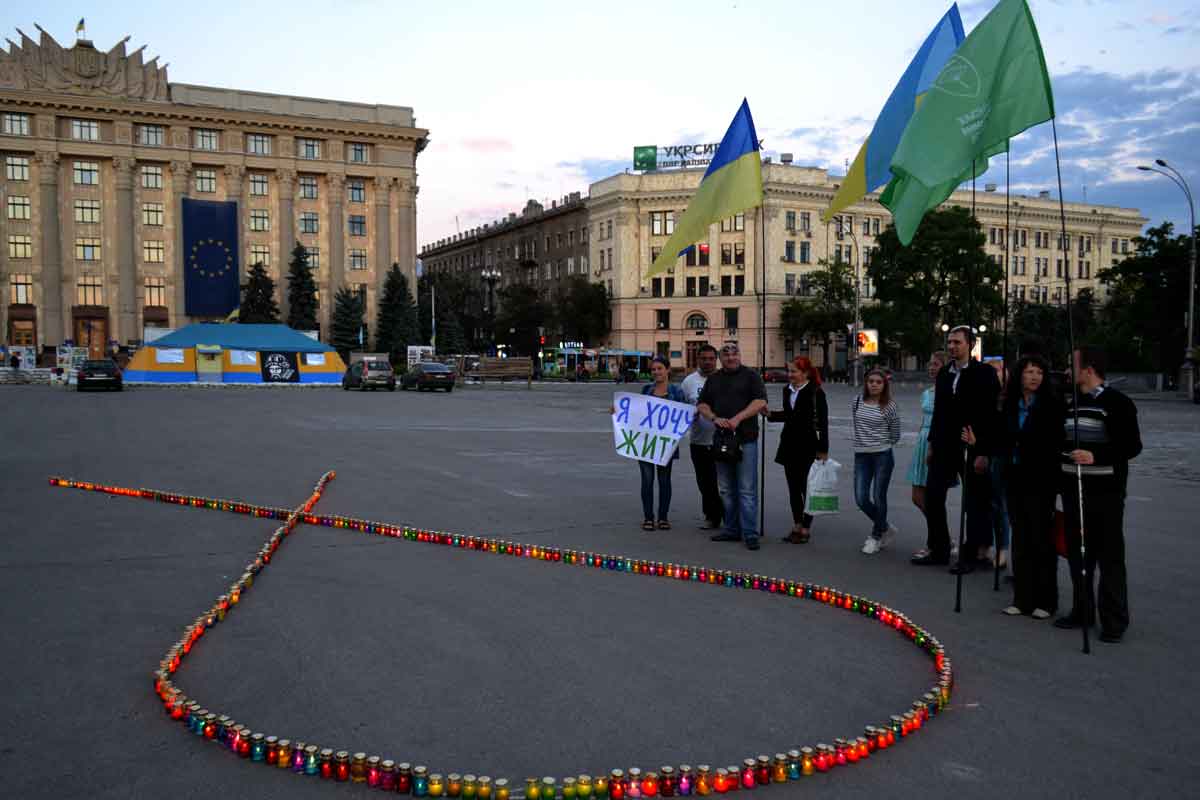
x: 512, y: 668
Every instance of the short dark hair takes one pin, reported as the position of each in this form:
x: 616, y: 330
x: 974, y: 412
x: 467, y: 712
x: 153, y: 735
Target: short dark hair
x: 661, y: 359
x: 963, y: 329
x: 707, y: 348
x: 1094, y: 357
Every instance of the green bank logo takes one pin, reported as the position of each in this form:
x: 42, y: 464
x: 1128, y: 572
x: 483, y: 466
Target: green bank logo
x: 645, y: 158
x: 958, y: 78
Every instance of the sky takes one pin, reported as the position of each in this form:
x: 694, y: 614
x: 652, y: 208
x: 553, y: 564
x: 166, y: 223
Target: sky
x: 528, y: 99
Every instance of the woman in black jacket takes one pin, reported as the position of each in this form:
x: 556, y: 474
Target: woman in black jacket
x: 1029, y: 435
x: 805, y: 438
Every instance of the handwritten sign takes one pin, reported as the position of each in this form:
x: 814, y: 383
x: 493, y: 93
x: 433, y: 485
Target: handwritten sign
x: 648, y: 428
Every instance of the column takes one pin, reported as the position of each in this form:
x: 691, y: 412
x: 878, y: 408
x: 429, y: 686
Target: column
x: 52, y: 329
x: 406, y: 243
x: 180, y: 183
x: 336, y: 186
x: 383, y: 231
x: 285, y: 181
x: 127, y: 322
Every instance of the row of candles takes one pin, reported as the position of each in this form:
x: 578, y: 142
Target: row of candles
x: 386, y: 774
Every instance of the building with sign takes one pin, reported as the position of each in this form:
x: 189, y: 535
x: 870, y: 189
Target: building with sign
x: 100, y: 150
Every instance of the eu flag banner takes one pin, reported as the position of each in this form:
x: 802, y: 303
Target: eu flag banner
x: 210, y: 258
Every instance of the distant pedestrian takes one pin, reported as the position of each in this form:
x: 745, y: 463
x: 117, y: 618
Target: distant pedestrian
x: 701, y: 436
x: 875, y: 423
x: 918, y: 470
x: 14, y: 360
x: 804, y: 439
x: 659, y: 386
x: 1108, y: 440
x: 964, y: 396
x: 732, y: 399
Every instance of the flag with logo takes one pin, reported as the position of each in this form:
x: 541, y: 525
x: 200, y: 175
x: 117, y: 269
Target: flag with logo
x: 871, y: 167
x: 732, y: 184
x: 994, y: 87
x: 210, y: 258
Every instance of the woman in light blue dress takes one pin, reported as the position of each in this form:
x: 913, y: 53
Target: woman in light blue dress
x: 918, y: 470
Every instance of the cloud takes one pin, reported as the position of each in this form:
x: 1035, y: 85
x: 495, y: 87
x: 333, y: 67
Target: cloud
x: 486, y: 145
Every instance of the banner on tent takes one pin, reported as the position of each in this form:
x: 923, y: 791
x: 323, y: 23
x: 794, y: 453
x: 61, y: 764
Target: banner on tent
x: 279, y: 368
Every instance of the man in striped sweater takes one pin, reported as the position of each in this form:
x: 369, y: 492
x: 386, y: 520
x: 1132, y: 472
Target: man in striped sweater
x: 1107, y: 440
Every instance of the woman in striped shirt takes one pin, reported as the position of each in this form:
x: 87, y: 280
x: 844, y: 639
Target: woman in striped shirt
x: 876, y: 424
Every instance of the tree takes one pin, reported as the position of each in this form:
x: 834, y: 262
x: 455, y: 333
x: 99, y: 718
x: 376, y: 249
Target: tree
x: 1042, y: 329
x: 450, y: 337
x: 258, y: 298
x: 944, y: 276
x: 347, y: 322
x: 396, y: 322
x: 302, y: 292
x: 828, y: 309
x: 456, y: 295
x: 522, y: 312
x: 583, y: 310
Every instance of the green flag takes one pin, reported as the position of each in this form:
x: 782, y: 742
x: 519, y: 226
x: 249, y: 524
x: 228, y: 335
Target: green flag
x: 992, y: 88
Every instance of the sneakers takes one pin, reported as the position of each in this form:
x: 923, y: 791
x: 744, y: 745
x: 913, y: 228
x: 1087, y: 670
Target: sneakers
x: 888, y: 536
x: 1041, y: 613
x: 1013, y: 611
x: 871, y: 546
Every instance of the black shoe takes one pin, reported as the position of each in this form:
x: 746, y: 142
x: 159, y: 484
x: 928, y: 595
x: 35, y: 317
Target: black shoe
x: 962, y: 568
x: 930, y: 559
x: 752, y: 543
x: 1110, y: 638
x: 1069, y: 622
x: 710, y: 525
x: 725, y: 537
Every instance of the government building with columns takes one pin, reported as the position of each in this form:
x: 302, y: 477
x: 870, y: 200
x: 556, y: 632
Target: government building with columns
x: 100, y: 150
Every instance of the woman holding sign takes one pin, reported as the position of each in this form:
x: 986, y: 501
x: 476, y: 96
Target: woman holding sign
x: 660, y: 372
x: 805, y: 438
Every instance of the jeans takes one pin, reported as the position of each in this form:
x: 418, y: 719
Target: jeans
x: 739, y: 492
x: 664, y: 489
x: 706, y: 482
x: 872, y: 474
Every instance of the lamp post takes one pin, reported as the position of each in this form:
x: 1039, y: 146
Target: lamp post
x: 1189, y: 351
x: 849, y: 228
x: 491, y: 275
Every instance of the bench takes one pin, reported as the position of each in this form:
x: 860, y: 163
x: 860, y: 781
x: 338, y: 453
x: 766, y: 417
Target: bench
x: 504, y: 369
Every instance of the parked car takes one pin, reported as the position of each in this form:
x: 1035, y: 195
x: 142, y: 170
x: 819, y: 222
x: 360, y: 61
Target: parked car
x: 98, y: 373
x: 369, y: 374
x: 776, y: 376
x: 428, y: 375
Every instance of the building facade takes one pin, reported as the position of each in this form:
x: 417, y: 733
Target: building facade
x: 99, y: 150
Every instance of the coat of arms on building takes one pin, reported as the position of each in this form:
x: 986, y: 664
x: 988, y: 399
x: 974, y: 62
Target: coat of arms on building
x: 46, y: 65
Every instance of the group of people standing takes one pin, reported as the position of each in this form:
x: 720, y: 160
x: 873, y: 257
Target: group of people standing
x: 1014, y: 449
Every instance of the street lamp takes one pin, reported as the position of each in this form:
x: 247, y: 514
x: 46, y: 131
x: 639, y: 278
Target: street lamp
x: 491, y: 275
x: 1189, y: 351
x: 841, y: 226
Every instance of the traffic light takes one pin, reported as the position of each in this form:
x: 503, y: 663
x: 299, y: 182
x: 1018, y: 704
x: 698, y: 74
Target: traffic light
x: 541, y: 340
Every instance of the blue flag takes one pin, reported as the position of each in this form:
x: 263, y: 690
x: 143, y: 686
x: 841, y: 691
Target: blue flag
x: 210, y: 258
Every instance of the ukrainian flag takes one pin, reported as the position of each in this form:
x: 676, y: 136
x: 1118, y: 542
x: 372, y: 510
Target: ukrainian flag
x: 871, y: 167
x: 732, y: 184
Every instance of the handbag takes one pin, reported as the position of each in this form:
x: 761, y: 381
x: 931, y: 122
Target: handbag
x: 726, y: 447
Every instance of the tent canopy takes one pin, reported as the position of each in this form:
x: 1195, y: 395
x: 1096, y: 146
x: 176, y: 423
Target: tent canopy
x: 278, y: 338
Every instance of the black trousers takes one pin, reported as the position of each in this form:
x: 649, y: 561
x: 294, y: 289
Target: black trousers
x: 796, y: 473
x: 706, y: 481
x: 1034, y: 561
x: 978, y: 490
x: 1104, y: 535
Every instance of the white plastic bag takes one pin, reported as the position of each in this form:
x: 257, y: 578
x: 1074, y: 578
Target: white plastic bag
x: 822, y: 496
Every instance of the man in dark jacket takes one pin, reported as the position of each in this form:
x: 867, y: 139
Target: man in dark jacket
x: 1097, y: 457
x: 965, y: 395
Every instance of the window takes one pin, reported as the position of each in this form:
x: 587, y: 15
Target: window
x: 689, y: 256
x: 583, y: 235
x: 258, y: 144
x: 19, y: 208
x: 206, y: 180
x: 358, y: 259
x: 156, y: 291
x: 731, y: 319
x: 739, y: 253
x: 789, y: 221
x: 16, y: 125
x: 691, y: 286
x: 87, y: 173
x: 152, y: 177
x: 150, y: 136
x: 153, y: 252
x: 314, y: 257
x: 358, y: 153
x: 89, y: 291
x: 308, y: 148
x: 87, y: 249
x: 309, y: 222
x: 1021, y: 238
x: 260, y: 254
x: 20, y: 245
x: 358, y: 225
x: 656, y: 287
x: 206, y: 139
x: 866, y: 226
x: 726, y: 254
x: 697, y: 322
x: 87, y: 211
x: 21, y: 286
x: 358, y: 191
x: 1064, y: 244
x: 789, y: 251
x: 152, y: 214
x: 662, y: 318
x: 805, y: 222
x: 85, y: 130
x: 16, y: 168
x: 739, y: 284
x: 703, y: 252
x: 806, y: 252
x: 608, y: 232
x: 726, y: 285
x: 658, y: 223
x: 1058, y: 268
x: 1085, y: 269
x: 308, y: 187
x: 875, y: 226
x: 571, y: 238
x: 1124, y: 246
x: 260, y: 219
x: 602, y: 257
x: 703, y: 286
x: 789, y: 284
x: 258, y: 184
x: 558, y: 239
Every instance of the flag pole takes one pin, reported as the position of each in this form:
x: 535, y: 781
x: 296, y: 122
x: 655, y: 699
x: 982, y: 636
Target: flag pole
x: 762, y: 330
x: 962, y: 517
x: 1085, y: 594
x: 1008, y: 249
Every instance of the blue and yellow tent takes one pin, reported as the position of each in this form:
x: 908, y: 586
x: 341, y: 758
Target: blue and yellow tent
x: 208, y: 353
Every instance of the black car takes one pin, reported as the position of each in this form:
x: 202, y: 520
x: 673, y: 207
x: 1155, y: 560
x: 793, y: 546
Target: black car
x: 428, y: 375
x: 98, y: 374
x: 369, y: 374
